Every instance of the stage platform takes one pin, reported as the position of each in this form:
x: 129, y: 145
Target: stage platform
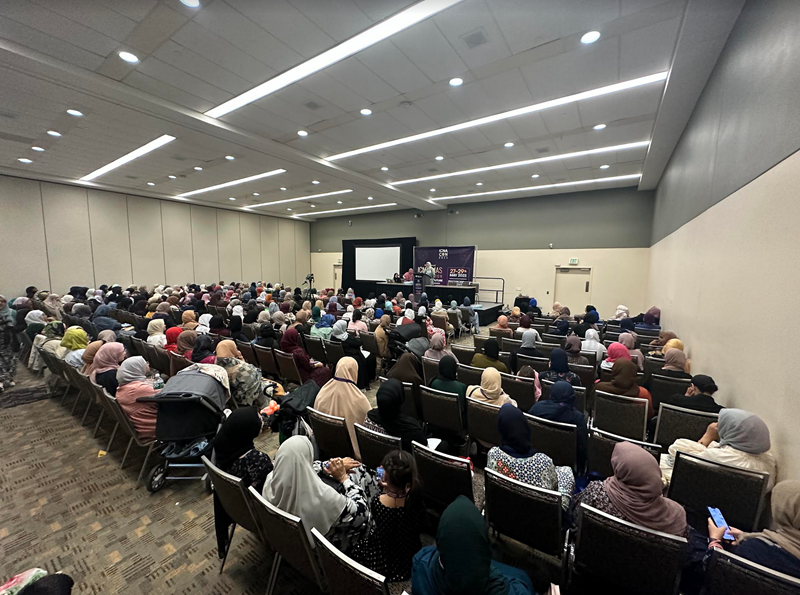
x: 489, y: 313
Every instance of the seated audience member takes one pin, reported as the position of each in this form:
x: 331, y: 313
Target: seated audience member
x: 188, y: 322
x: 779, y: 548
x: 453, y: 309
x: 699, y: 395
x: 674, y: 364
x: 559, y: 369
x: 528, y: 348
x: 589, y: 322
x: 316, y: 371
x: 556, y: 311
x: 172, y: 335
x: 382, y: 336
x: 565, y: 314
x: 202, y: 351
x: 357, y: 324
x: 517, y: 459
x: 397, y: 516
x: 341, y: 397
x: 407, y: 369
x: 561, y: 408
x: 490, y: 357
x: 295, y: 486
x: 623, y: 382
x: 740, y: 439
x: 616, y: 351
x: 672, y: 344
x: 663, y: 337
x: 634, y: 492
x: 529, y: 372
x: 89, y: 354
x: 155, y: 333
x: 35, y: 320
x: 105, y: 365
x: 324, y: 327
x: 524, y: 327
x: 502, y: 325
x: 185, y: 343
x: 533, y: 308
x: 236, y: 333
x: 648, y: 323
x: 622, y: 312
x: 446, y: 381
x: 627, y: 325
x: 490, y: 389
x: 461, y: 561
x: 133, y: 384
x: 266, y: 337
x: 592, y: 343
x: 72, y: 345
x: 473, y: 316
x: 103, y: 321
x: 246, y: 385
x: 629, y: 341
x: 234, y: 449
x: 352, y: 348
x: 572, y: 347
x: 437, y: 349
x: 516, y: 315
x: 348, y: 314
x: 561, y: 328
x: 408, y: 317
x: 217, y: 327
x: 204, y: 324
x: 388, y: 417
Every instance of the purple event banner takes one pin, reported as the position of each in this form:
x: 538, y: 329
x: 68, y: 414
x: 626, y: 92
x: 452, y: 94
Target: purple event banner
x: 450, y: 264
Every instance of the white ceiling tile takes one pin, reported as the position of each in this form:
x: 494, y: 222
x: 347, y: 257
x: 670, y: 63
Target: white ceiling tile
x: 155, y: 29
x: 413, y: 117
x: 368, y: 131
x: 338, y: 18
x: 507, y: 90
x: 472, y: 138
x: 631, y: 6
x: 329, y: 88
x: 158, y: 88
x: 649, y: 49
x: 521, y: 30
x: 425, y: 45
x: 472, y: 99
x: 289, y: 110
x: 257, y: 113
x: 361, y: 80
x: 389, y: 63
x: 34, y: 39
x: 173, y: 76
x: 473, y: 21
x: 499, y: 132
x: 133, y: 10
x: 377, y: 10
x: 635, y: 102
x: 529, y: 126
x: 562, y: 118
x: 180, y: 57
x: 300, y: 96
x: 441, y: 108
x: 93, y: 15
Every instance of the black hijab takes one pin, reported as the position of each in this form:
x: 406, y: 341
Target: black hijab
x: 251, y: 317
x: 203, y: 347
x: 559, y: 361
x: 514, y: 432
x: 218, y: 322
x: 448, y: 368
x: 236, y: 435
x: 390, y: 417
x: 491, y: 349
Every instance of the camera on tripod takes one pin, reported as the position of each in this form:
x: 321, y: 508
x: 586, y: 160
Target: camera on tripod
x: 309, y: 279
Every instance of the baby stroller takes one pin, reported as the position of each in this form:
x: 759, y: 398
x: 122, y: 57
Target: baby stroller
x: 190, y: 410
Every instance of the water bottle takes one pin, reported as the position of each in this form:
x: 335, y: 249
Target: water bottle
x: 158, y: 382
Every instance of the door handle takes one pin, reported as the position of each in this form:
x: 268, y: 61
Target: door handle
x: 587, y: 287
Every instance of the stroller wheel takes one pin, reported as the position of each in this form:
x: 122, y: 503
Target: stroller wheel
x: 156, y: 478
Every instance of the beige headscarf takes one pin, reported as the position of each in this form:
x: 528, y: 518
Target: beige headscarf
x: 340, y: 397
x: 556, y: 309
x: 490, y: 389
x: 785, y: 517
x: 188, y: 322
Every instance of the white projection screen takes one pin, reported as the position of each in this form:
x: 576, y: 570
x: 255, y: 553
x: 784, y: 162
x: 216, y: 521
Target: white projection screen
x: 377, y: 263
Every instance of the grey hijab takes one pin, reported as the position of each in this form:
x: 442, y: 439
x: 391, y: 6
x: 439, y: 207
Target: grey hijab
x: 743, y: 431
x: 529, y: 339
x: 273, y: 307
x: 340, y: 330
x: 132, y: 369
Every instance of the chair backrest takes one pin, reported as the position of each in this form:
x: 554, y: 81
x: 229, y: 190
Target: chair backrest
x: 482, y: 421
x: 499, y: 333
x: 177, y: 363
x: 441, y: 410
x: 557, y: 440
x: 469, y: 375
x: 466, y: 317
x: 266, y: 361
x: 625, y: 416
x: 139, y: 347
x: 652, y: 560
x: 249, y: 332
x: 728, y: 574
x: 331, y: 435
x: 522, y: 390
x: 369, y: 343
x: 580, y: 394
x: 150, y: 355
x: 510, y: 345
x: 439, y: 321
x: 739, y: 493
x: 601, y: 447
x: 479, y: 341
x: 161, y: 360
x: 526, y: 513
x: 463, y: 354
x: 246, y: 349
x: 315, y: 348
x: 287, y: 366
x: 591, y: 356
x: 547, y: 348
x: 452, y: 318
x: 443, y: 477
x: 430, y: 369
x: 286, y: 535
x: 232, y: 496
x: 559, y: 340
x: 540, y: 364
x: 374, y: 445
x: 677, y: 422
x: 334, y: 352
x: 345, y: 575
x: 664, y: 386
x: 612, y: 336
x: 585, y: 373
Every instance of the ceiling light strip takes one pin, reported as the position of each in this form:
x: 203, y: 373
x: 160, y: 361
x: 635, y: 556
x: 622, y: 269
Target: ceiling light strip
x: 315, y: 213
x: 266, y: 174
x: 402, y: 20
x: 536, y: 107
x: 277, y: 202
x: 541, y: 187
x: 478, y: 170
x: 143, y: 150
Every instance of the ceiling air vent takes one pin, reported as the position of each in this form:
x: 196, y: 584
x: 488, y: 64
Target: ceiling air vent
x: 541, y: 150
x: 313, y: 105
x: 474, y: 38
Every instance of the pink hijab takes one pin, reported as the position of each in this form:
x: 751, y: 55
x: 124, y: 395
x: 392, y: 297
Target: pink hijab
x: 108, y: 357
x: 617, y: 351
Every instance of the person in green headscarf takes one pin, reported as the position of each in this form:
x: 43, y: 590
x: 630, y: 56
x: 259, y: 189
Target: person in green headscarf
x: 461, y: 561
x: 72, y: 345
x: 316, y: 314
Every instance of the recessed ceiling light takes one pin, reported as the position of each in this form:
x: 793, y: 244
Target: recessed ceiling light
x: 266, y: 174
x: 370, y: 198
x: 600, y: 127
x: 39, y: 149
x: 24, y: 160
x: 256, y: 194
x: 173, y: 177
x: 605, y: 166
x: 536, y: 107
x: 338, y: 202
x: 384, y: 168
x: 151, y: 183
x: 135, y: 154
x: 479, y: 184
x: 508, y: 145
x: 477, y: 170
x: 544, y: 186
x: 128, y: 57
x: 74, y: 112
x: 198, y: 168
x: 283, y: 189
x: 288, y: 209
x: 191, y: 3
x: 230, y: 157
x: 53, y: 133
x: 390, y: 204
x: 232, y: 198
x: 590, y: 37
x: 439, y: 158
x: 535, y: 176
x: 366, y: 112
x: 307, y: 197
x: 302, y: 133
x: 432, y: 190
x: 456, y: 82
x: 378, y: 32
x: 313, y: 206
x: 315, y: 181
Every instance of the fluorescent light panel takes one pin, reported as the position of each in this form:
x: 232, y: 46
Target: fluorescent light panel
x: 541, y: 187
x: 536, y: 107
x: 315, y: 213
x: 266, y: 174
x: 478, y: 170
x: 387, y: 28
x: 143, y: 150
x: 277, y: 202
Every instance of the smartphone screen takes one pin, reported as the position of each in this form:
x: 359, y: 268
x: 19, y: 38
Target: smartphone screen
x: 719, y: 521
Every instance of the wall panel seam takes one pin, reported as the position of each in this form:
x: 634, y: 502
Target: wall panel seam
x: 44, y: 228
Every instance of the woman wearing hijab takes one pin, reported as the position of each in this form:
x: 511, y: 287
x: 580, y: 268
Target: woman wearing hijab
x: 663, y: 337
x: 388, y: 417
x: 524, y: 326
x: 622, y: 312
x: 273, y: 308
x: 649, y: 322
x: 517, y: 459
x: 559, y: 369
x: 616, y: 351
x: 185, y: 343
x: 407, y: 369
x: 235, y: 329
x: 324, y: 327
x: 438, y: 348
x: 589, y: 322
x: 556, y: 311
x: 105, y: 365
x: 246, y: 385
x: 490, y: 389
x: 516, y: 315
x: 473, y: 316
x: 527, y: 348
x: 72, y: 345
x: 502, y: 326
x: 316, y: 314
x: 533, y: 308
x: 202, y: 351
x: 573, y: 348
x: 446, y: 381
x: 623, y: 382
x: 290, y: 343
x: 88, y: 356
x: 301, y: 322
x: 103, y: 321
x: 155, y: 333
x: 35, y: 321
x: 778, y: 548
x: 382, y: 336
x: 461, y: 561
x: 561, y: 327
x: 671, y: 344
x: 341, y: 397
x: 629, y: 341
x: 592, y: 343
x: 8, y: 357
x: 739, y: 438
x: 295, y: 486
x: 675, y: 364
x: 357, y: 324
x: 352, y: 348
x: 490, y: 357
x: 561, y: 408
x: 266, y: 337
x: 634, y: 492
x: 217, y: 327
x: 188, y: 322
x: 133, y: 384
x: 172, y: 338
x: 234, y: 449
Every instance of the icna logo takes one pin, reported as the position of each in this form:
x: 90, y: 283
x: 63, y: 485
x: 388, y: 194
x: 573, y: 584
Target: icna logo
x: 443, y: 253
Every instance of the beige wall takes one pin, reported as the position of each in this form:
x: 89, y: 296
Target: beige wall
x: 55, y: 235
x: 723, y: 280
x: 619, y: 275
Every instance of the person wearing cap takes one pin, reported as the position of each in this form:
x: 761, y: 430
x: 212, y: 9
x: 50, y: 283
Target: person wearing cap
x: 699, y: 395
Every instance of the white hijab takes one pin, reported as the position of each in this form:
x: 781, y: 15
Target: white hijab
x: 295, y: 488
x: 36, y: 317
x: 622, y: 312
x: 409, y: 314
x: 133, y: 369
x: 592, y: 343
x: 203, y: 324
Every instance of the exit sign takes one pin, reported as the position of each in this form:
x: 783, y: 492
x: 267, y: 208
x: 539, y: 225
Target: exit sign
x: 573, y: 261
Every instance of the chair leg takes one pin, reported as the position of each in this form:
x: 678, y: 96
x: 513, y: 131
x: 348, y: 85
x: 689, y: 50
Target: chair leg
x: 97, y: 425
x: 113, y: 433
x: 64, y: 396
x: 227, y: 548
x: 276, y: 565
x: 75, y: 404
x: 144, y: 465
x: 127, y: 450
x: 85, y: 413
